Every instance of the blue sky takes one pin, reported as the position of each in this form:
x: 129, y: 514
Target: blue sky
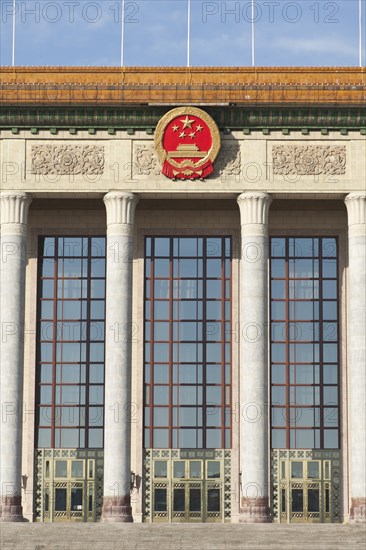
x: 88, y: 32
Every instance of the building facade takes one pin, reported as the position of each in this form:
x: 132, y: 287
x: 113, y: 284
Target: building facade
x: 179, y: 346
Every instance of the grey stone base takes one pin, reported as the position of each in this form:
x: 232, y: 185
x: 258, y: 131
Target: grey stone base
x: 11, y: 509
x: 117, y: 510
x: 254, y: 510
x: 358, y: 511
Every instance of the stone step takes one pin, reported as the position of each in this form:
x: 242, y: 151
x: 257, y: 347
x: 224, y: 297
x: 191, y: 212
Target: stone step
x: 33, y: 536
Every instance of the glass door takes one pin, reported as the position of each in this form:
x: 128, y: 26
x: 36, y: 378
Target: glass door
x: 187, y: 491
x: 305, y: 494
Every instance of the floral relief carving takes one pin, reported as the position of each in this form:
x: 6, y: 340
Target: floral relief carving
x: 307, y: 160
x: 229, y: 159
x: 67, y: 159
x: 146, y: 161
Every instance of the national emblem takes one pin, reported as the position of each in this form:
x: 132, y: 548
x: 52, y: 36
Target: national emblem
x: 187, y: 142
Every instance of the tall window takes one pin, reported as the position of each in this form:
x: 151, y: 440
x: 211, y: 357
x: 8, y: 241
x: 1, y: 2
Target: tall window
x: 187, y: 342
x: 304, y: 343
x: 70, y: 356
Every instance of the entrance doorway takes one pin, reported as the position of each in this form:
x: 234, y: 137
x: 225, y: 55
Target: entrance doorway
x: 307, y: 488
x: 69, y: 485
x: 189, y: 486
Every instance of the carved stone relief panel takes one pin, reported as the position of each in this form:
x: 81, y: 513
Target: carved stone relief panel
x: 146, y: 162
x: 308, y: 160
x: 67, y: 159
x: 229, y: 159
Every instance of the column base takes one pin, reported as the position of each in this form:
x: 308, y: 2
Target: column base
x: 11, y: 509
x: 358, y: 510
x: 117, y: 510
x: 254, y: 510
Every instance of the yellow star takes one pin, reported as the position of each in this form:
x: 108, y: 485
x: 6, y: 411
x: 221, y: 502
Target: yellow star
x: 182, y: 135
x: 192, y: 135
x: 175, y: 128
x: 187, y: 123
x: 199, y: 128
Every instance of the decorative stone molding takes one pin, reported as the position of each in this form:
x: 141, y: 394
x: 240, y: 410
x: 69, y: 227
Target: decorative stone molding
x: 14, y: 212
x: 117, y: 510
x: 66, y: 160
x: 356, y: 209
x: 254, y: 510
x: 120, y: 209
x: 11, y: 509
x: 146, y: 162
x: 309, y: 160
x: 254, y: 209
x: 229, y: 159
x: 358, y: 510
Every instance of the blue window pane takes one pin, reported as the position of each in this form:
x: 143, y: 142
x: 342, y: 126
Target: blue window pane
x: 214, y: 310
x: 278, y: 290
x: 213, y: 439
x: 278, y: 310
x: 161, y: 438
x: 161, y: 395
x: 278, y: 269
x: 214, y: 247
x: 214, y: 353
x: 97, y: 247
x: 44, y: 438
x: 331, y: 417
x: 330, y: 311
x: 331, y: 439
x: 188, y: 247
x: 161, y: 268
x: 330, y: 395
x: 161, y: 374
x: 161, y: 416
x: 95, y: 438
x: 214, y: 268
x: 48, y: 268
x: 330, y: 374
x: 329, y: 248
x: 96, y: 395
x: 278, y: 395
x: 161, y: 288
x: 162, y: 246
x: 49, y: 246
x: 278, y: 417
x: 330, y: 268
x: 279, y: 439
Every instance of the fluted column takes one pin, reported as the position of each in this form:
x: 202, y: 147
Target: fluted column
x: 117, y: 427
x: 356, y: 208
x: 14, y: 217
x: 254, y: 209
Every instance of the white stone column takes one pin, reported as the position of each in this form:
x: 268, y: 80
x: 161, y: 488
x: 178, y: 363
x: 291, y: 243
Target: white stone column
x: 117, y: 425
x: 14, y: 217
x: 356, y: 208
x: 254, y: 208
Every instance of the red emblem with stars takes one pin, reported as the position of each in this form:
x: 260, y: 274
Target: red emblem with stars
x: 187, y: 142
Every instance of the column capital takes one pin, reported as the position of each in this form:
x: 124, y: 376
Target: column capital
x: 14, y: 212
x: 356, y: 209
x: 120, y: 207
x: 254, y: 209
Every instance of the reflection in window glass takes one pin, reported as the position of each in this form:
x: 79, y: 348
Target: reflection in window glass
x: 304, y: 343
x: 187, y: 344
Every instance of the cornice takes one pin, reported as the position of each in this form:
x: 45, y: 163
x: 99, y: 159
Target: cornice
x: 227, y: 117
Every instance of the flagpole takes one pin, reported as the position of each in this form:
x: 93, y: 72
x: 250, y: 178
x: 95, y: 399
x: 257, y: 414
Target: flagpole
x: 13, y: 40
x: 360, y: 31
x: 189, y: 33
x: 253, y: 36
x: 123, y: 35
